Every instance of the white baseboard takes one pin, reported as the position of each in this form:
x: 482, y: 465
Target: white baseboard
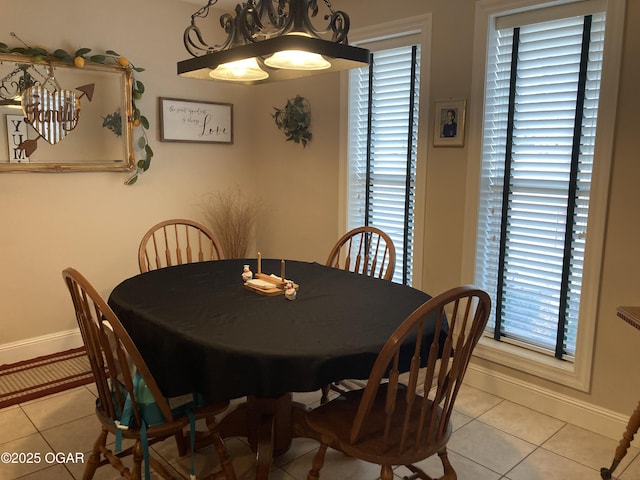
x: 39, y: 346
x: 582, y: 414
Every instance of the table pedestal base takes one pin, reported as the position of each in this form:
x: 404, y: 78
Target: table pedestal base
x: 269, y: 424
x: 270, y: 420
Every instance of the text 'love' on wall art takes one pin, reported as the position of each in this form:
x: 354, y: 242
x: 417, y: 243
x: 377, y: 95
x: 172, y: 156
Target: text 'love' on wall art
x: 195, y: 121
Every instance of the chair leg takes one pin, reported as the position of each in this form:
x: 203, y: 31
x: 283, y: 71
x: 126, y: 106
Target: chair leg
x: 225, y: 459
x: 386, y: 472
x: 449, y: 472
x: 325, y: 394
x: 94, y: 458
x: 416, y: 473
x: 136, y: 469
x: 221, y: 449
x: 181, y: 444
x: 318, y: 462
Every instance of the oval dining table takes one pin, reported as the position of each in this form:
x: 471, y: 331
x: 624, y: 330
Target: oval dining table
x: 200, y: 329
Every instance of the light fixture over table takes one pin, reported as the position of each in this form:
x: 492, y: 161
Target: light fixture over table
x: 271, y: 40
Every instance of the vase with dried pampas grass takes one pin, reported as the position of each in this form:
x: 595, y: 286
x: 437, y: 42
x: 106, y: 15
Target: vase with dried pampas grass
x: 232, y: 216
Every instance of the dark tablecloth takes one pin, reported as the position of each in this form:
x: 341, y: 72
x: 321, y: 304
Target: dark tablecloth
x: 199, y: 329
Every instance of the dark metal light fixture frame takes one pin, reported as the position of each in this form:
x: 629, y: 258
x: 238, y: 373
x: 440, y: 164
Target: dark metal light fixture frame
x: 260, y: 29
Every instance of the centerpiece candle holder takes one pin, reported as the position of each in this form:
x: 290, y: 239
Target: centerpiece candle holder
x: 269, y: 284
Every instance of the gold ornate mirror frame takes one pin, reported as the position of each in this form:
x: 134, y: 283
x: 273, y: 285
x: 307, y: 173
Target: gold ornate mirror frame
x: 100, y: 140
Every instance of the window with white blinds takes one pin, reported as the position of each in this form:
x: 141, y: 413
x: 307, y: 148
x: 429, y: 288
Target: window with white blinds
x: 383, y: 130
x: 541, y: 106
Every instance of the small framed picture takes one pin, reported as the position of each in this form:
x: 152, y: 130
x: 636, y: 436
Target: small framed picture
x: 195, y: 121
x: 449, y: 123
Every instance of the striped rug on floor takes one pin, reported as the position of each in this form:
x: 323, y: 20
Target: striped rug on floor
x: 35, y: 378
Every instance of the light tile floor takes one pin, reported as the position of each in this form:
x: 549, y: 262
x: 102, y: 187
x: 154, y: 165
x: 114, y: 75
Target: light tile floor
x: 493, y: 439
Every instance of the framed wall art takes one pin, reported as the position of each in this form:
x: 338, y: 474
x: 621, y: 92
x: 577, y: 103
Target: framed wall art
x: 195, y: 121
x: 16, y: 134
x: 449, y: 123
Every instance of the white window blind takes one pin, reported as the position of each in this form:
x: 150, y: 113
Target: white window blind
x: 383, y: 130
x: 537, y: 156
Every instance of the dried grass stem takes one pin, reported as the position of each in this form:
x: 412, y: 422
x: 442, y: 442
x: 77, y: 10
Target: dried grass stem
x: 232, y: 216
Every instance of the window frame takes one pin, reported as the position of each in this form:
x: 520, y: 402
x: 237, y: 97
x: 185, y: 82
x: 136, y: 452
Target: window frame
x: 578, y: 374
x: 392, y: 34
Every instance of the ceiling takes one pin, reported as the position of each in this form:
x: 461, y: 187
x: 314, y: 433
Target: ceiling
x: 226, y: 5
x: 229, y: 5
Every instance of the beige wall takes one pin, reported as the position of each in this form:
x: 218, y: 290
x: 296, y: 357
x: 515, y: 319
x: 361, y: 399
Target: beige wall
x: 94, y: 222
x: 298, y: 186
x: 617, y: 348
x: 91, y: 220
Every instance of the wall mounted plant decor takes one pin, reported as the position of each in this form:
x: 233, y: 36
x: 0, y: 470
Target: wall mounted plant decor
x: 28, y: 86
x: 294, y: 120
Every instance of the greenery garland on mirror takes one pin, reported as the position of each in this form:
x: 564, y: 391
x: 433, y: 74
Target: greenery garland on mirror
x: 78, y: 59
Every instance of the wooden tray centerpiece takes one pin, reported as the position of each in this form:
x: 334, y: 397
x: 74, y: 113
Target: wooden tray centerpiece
x: 265, y: 284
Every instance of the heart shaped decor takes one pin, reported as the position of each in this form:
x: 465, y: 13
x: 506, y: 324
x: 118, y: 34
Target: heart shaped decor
x: 52, y: 114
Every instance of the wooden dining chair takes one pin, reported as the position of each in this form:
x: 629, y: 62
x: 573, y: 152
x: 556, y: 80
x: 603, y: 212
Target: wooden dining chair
x: 369, y: 251
x: 400, y: 423
x: 127, y: 391
x: 177, y: 241
x: 366, y: 250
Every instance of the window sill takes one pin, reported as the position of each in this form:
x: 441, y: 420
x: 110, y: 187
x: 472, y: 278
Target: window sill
x: 533, y: 363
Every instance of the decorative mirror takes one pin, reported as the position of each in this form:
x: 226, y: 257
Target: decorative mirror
x: 56, y: 117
